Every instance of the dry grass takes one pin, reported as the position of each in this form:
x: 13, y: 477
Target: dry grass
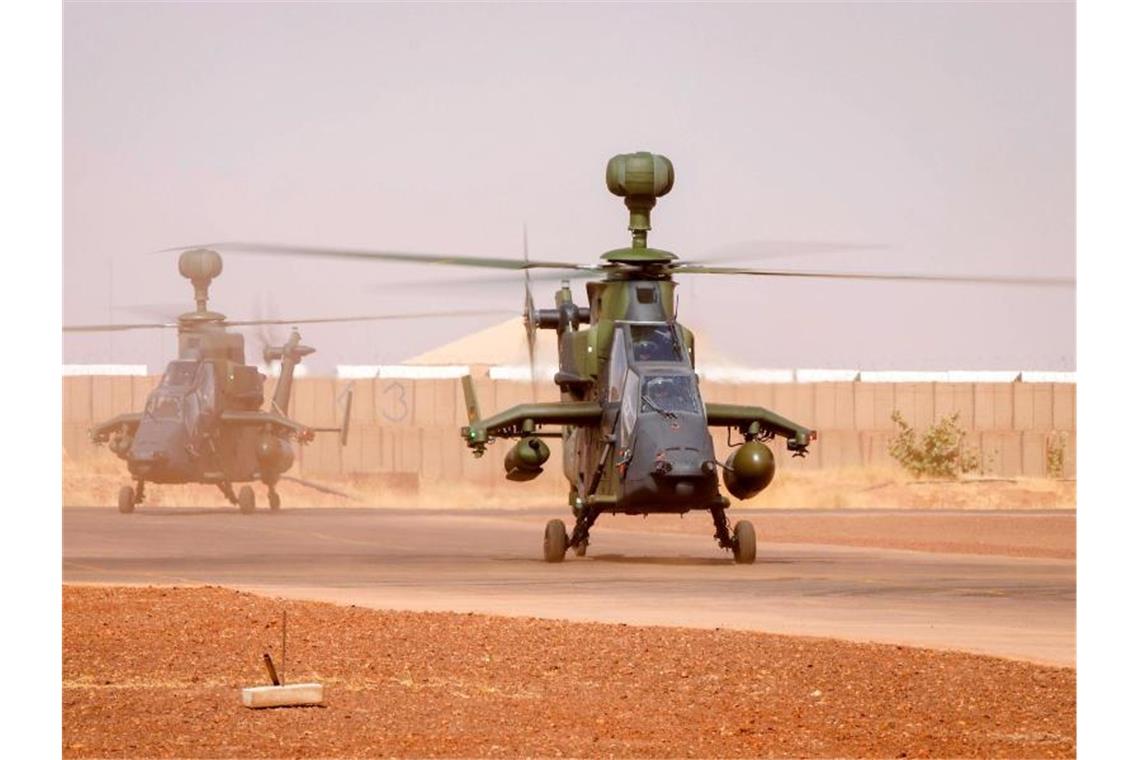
x: 96, y: 481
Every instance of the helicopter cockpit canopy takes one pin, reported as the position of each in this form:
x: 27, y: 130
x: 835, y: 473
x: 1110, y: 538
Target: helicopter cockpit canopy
x: 164, y: 406
x: 180, y: 374
x: 655, y: 342
x: 670, y: 394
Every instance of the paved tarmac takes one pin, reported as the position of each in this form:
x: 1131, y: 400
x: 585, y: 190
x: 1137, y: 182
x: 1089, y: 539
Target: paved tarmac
x: 491, y: 563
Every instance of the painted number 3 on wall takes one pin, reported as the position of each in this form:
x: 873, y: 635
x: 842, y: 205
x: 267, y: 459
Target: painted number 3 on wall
x: 395, y: 407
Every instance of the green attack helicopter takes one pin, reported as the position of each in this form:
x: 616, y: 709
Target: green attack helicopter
x: 633, y: 425
x: 204, y: 423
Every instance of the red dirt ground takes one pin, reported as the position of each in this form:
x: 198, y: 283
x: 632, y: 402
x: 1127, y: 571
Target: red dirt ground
x: 156, y: 672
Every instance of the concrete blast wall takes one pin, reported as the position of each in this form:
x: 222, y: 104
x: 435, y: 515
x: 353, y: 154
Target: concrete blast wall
x: 412, y: 426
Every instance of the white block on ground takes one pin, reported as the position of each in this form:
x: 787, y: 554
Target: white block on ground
x: 283, y: 696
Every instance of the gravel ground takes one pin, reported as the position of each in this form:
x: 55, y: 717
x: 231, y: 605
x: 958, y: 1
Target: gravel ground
x: 155, y: 672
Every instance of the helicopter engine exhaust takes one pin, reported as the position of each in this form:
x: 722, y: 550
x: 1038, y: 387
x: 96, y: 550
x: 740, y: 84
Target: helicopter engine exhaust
x: 525, y: 459
x: 749, y: 470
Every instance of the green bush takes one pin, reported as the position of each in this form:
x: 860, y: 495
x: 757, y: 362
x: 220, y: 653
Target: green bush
x: 1055, y: 456
x: 939, y: 453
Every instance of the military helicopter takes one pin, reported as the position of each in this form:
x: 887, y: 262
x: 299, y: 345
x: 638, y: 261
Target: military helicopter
x: 204, y: 423
x: 634, y: 428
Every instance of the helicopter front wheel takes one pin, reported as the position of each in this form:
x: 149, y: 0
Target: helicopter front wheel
x: 274, y: 500
x: 246, y: 500
x: 126, y: 500
x: 554, y: 542
x: 744, y: 543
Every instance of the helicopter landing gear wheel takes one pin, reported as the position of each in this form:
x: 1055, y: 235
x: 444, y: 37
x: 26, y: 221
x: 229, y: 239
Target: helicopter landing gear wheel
x: 744, y: 543
x: 274, y: 500
x: 126, y: 500
x: 580, y: 549
x: 554, y: 542
x: 246, y: 500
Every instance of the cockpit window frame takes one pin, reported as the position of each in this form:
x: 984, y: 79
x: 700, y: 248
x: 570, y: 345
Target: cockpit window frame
x: 679, y: 353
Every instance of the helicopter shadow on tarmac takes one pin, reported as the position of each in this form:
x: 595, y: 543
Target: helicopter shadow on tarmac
x: 626, y: 559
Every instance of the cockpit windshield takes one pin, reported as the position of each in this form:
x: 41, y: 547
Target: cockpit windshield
x: 180, y: 374
x: 164, y: 407
x: 669, y: 394
x: 655, y: 343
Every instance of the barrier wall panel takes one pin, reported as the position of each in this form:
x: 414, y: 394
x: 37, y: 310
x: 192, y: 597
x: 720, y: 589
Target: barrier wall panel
x: 77, y: 442
x: 874, y: 447
x: 1003, y: 406
x: 837, y: 448
x: 453, y: 452
x: 103, y: 399
x: 512, y: 393
x: 363, y: 401
x: 435, y: 402
x: 1042, y: 407
x: 352, y: 454
x: 803, y: 405
x: 372, y: 457
x: 845, y: 406
x: 409, y: 450
x: 720, y: 393
x: 303, y: 406
x: 322, y: 456
x: 864, y: 406
x: 140, y: 389
x: 954, y: 398
x: 486, y: 470
x: 395, y: 402
x: 1065, y: 406
x: 1033, y: 454
x: 1022, y: 406
x: 432, y: 462
x: 77, y: 400
x: 825, y: 410
x: 984, y: 406
x: 884, y: 395
x: 923, y: 405
x: 325, y: 411
x: 757, y: 395
x: 1004, y: 450
x: 906, y: 403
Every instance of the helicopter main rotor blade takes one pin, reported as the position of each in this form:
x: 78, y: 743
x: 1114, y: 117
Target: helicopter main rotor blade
x: 118, y: 328
x: 308, y: 321
x: 759, y: 250
x: 887, y: 277
x: 367, y: 318
x: 356, y: 254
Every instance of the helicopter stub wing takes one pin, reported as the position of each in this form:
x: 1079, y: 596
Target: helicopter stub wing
x: 304, y: 433
x: 525, y: 419
x: 757, y: 419
x: 126, y: 422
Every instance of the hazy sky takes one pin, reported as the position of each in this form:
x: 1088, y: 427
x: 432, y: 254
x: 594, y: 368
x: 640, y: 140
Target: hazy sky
x: 943, y: 131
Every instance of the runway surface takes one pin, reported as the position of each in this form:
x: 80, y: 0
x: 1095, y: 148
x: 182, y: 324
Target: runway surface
x: 491, y: 562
